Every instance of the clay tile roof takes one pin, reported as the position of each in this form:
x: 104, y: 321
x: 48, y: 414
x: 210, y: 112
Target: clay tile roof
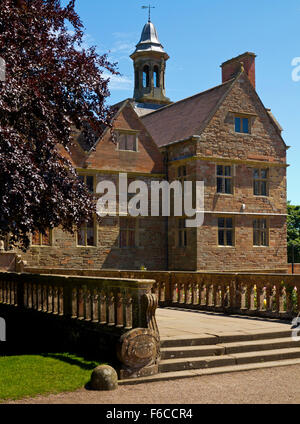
x: 184, y: 118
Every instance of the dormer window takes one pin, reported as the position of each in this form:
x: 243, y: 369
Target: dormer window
x: 241, y: 124
x: 127, y: 141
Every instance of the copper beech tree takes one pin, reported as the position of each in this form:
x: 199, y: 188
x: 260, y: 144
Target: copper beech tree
x: 51, y: 84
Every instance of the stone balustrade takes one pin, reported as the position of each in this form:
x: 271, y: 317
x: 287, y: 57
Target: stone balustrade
x: 122, y: 308
x: 108, y: 302
x: 268, y: 295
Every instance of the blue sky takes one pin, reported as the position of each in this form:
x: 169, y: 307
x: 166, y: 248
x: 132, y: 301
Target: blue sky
x: 199, y: 35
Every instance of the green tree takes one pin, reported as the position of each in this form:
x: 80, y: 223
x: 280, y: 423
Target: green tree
x: 293, y: 232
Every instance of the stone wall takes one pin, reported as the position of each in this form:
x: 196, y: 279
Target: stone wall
x: 219, y: 144
x: 64, y: 252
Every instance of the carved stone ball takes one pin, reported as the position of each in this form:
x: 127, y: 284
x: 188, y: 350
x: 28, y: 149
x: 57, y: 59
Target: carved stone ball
x: 104, y: 377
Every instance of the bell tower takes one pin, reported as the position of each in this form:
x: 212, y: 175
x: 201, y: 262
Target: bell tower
x: 149, y: 60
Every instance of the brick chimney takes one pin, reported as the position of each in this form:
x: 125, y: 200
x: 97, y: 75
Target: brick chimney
x: 233, y: 66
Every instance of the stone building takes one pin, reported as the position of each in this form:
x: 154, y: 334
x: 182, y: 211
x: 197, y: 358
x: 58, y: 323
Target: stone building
x: 223, y: 136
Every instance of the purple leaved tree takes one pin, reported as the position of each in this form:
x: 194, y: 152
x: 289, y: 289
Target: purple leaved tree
x: 51, y: 84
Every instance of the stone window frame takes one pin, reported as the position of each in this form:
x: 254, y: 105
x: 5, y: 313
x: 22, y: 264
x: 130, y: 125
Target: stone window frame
x: 41, y: 240
x: 136, y: 230
x: 242, y: 118
x: 95, y: 228
x: 261, y: 231
x: 261, y: 180
x: 231, y: 177
x: 84, y: 177
x: 119, y: 131
x: 250, y: 116
x: 233, y: 245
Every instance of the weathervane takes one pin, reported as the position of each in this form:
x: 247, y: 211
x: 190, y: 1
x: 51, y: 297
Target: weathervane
x: 149, y: 7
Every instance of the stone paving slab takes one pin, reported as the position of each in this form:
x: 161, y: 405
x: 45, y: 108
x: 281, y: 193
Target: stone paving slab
x: 186, y: 323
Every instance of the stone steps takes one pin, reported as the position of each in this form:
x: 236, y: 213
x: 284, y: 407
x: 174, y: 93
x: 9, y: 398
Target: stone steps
x: 180, y: 364
x: 208, y: 354
x: 207, y: 351
x: 227, y: 348
x: 212, y: 339
x: 167, y: 376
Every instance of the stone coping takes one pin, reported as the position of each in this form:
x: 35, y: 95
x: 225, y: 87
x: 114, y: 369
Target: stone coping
x: 86, y: 270
x: 112, y: 282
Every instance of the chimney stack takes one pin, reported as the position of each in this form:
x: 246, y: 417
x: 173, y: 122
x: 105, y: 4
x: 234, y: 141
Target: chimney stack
x: 231, y: 67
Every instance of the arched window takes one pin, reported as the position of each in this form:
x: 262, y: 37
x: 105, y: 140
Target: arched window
x: 137, y: 79
x: 156, y: 76
x: 146, y: 79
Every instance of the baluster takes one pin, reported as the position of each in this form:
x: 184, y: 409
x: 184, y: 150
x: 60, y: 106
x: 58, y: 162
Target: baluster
x: 195, y: 294
x: 75, y: 303
x: 175, y: 293
x: 111, y: 309
x: 262, y: 298
x: 203, y: 295
x: 1, y: 291
x: 278, y: 289
x: 269, y: 298
x: 5, y: 292
x: 243, y: 297
x: 95, y: 306
x: 120, y: 311
x: 88, y: 305
x: 226, y: 298
x: 289, y: 300
x: 182, y: 293
x: 12, y: 293
x: 55, y: 301
x: 274, y: 305
x: 282, y: 300
x: 128, y: 313
x: 50, y: 300
x: 34, y: 297
x: 80, y: 297
x: 61, y: 301
x: 219, y: 297
x: 162, y: 291
x: 29, y: 294
x: 189, y: 294
x: 102, y: 307
x: 210, y: 300
x: 9, y: 293
x: 45, y: 298
x: 40, y: 297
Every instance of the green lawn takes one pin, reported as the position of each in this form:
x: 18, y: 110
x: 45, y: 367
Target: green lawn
x: 31, y: 375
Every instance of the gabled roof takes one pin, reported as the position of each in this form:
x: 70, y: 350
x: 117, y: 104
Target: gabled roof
x: 184, y: 118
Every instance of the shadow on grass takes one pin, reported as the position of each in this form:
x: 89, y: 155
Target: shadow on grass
x: 73, y: 359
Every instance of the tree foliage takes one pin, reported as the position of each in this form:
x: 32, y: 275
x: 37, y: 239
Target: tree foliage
x: 293, y: 231
x: 51, y: 84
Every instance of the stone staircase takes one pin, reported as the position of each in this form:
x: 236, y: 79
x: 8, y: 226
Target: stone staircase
x: 183, y: 357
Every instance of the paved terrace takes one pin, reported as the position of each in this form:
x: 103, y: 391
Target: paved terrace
x: 178, y: 323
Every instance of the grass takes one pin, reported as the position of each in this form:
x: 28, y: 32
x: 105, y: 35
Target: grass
x: 32, y: 375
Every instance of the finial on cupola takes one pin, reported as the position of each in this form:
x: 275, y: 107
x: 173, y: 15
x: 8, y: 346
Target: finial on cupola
x: 149, y: 7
